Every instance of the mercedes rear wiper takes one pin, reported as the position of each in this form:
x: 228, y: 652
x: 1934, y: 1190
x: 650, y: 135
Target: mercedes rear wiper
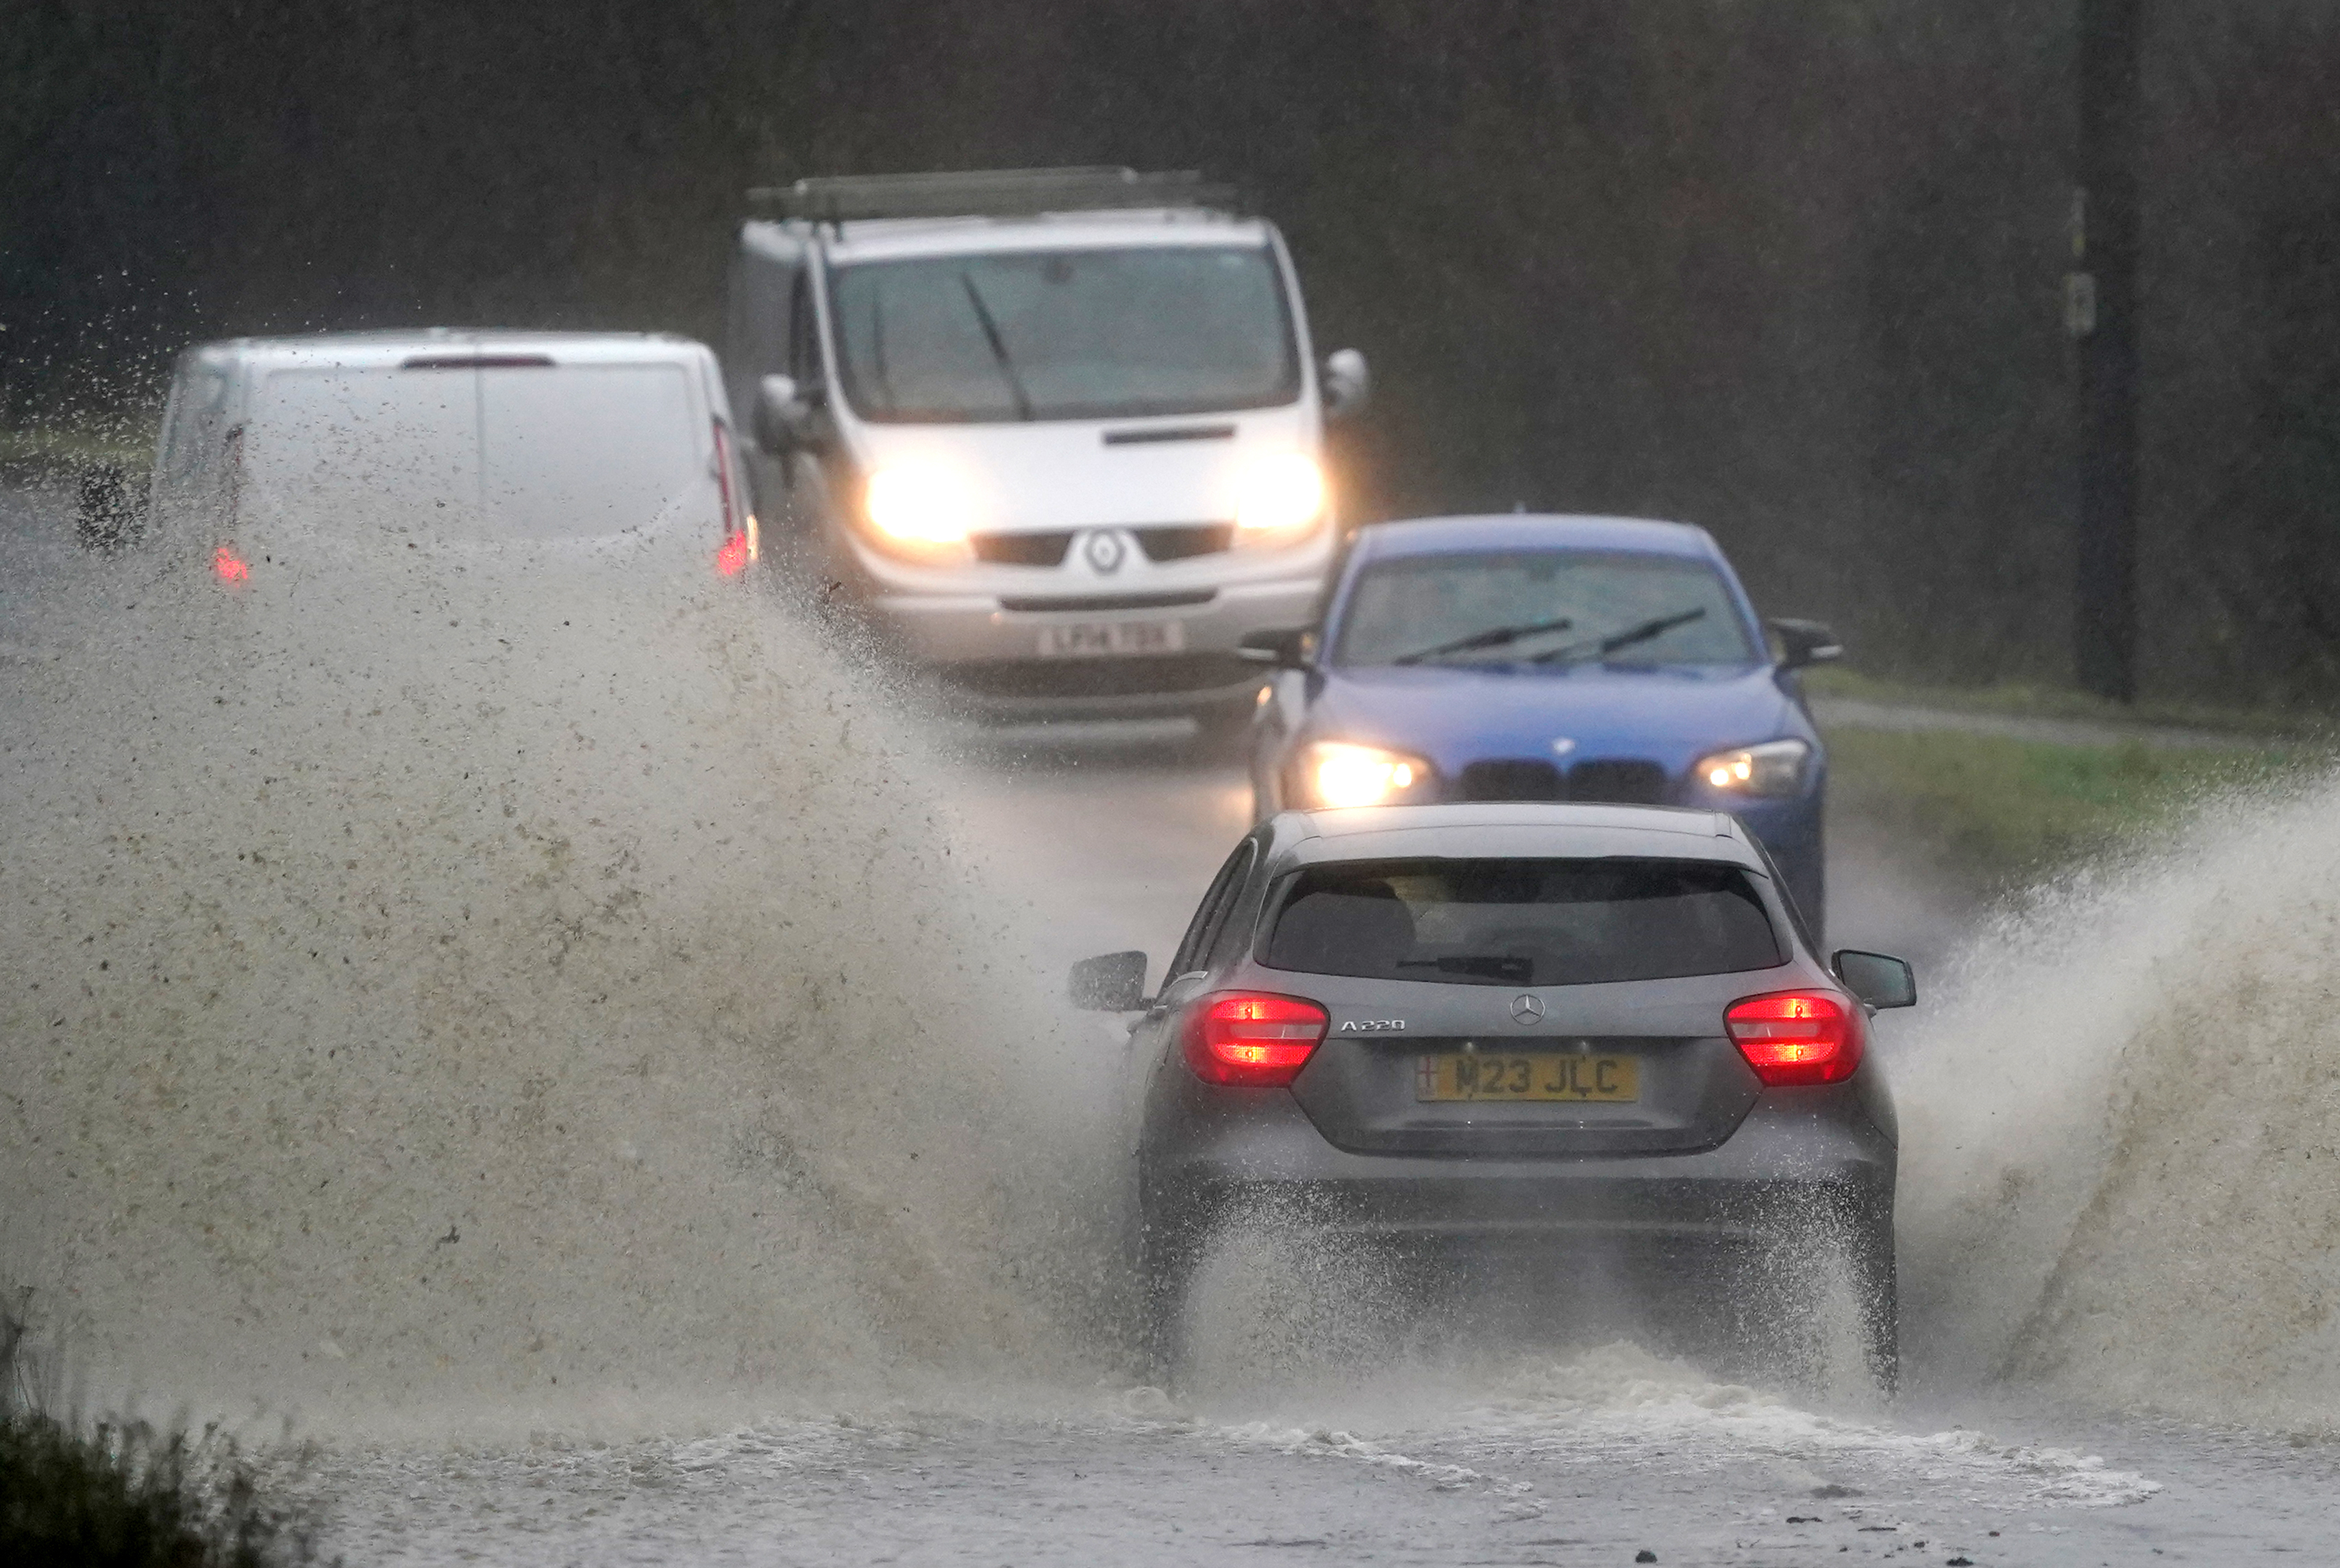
x: 1488, y: 966
x: 1601, y: 648
x: 998, y: 348
x: 1496, y: 638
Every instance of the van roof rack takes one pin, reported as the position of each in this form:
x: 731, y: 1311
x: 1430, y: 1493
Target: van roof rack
x: 987, y: 193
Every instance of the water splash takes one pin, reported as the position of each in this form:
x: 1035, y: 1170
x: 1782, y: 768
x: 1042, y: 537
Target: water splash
x: 438, y: 985
x: 2122, y: 1132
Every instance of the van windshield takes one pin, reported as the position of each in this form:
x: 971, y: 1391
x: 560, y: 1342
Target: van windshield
x: 1503, y: 922
x: 503, y: 453
x: 1064, y: 334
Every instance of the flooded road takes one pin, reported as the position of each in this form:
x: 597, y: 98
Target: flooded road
x: 612, y: 1092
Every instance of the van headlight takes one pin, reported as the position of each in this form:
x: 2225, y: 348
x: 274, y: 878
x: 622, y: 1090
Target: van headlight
x: 1334, y: 773
x: 1775, y: 769
x: 1278, y: 497
x: 919, y: 511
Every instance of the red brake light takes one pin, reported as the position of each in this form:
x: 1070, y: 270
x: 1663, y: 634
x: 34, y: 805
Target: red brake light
x: 1798, y: 1037
x: 739, y: 546
x: 230, y: 566
x: 1251, y: 1039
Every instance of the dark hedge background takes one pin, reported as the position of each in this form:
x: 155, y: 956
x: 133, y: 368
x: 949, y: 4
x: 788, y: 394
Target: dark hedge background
x: 1788, y: 268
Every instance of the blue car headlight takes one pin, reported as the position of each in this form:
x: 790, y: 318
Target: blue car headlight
x: 1339, y: 773
x: 1767, y: 772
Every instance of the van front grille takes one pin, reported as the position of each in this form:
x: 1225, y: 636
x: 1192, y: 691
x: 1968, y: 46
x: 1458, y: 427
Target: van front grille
x: 1184, y: 540
x: 1021, y: 549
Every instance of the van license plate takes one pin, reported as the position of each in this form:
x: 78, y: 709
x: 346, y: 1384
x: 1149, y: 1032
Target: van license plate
x: 1095, y: 639
x: 1546, y: 1076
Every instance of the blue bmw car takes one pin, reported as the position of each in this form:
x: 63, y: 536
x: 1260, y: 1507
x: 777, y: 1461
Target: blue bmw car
x: 1541, y: 658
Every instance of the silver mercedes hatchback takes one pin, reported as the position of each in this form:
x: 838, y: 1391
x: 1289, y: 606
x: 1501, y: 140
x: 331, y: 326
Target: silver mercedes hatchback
x: 1526, y: 1033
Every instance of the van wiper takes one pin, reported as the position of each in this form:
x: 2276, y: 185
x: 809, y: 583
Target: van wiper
x: 1495, y: 638
x: 1601, y: 648
x: 999, y: 347
x: 1506, y: 967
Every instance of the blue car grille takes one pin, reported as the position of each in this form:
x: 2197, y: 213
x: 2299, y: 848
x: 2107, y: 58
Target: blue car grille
x: 1619, y: 782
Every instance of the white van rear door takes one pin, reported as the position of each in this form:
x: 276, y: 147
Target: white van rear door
x: 346, y: 451
x: 578, y: 451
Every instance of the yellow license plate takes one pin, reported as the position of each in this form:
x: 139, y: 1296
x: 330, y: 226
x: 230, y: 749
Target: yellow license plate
x: 1546, y: 1076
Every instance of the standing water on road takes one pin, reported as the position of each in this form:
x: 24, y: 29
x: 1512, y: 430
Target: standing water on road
x: 454, y: 1001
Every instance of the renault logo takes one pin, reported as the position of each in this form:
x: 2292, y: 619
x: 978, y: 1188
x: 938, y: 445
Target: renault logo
x: 1526, y: 1009
x: 1104, y: 552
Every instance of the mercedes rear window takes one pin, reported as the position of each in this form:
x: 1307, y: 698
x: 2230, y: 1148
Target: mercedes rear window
x: 1520, y: 922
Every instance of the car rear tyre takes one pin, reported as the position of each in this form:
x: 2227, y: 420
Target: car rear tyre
x: 1166, y: 1276
x: 1878, y: 1298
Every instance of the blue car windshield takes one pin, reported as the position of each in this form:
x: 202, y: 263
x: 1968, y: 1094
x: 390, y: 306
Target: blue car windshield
x: 1542, y: 607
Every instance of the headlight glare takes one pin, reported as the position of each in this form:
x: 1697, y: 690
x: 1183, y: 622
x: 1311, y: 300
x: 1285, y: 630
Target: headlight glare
x: 916, y: 506
x: 1283, y: 494
x: 1335, y: 773
x: 1768, y: 771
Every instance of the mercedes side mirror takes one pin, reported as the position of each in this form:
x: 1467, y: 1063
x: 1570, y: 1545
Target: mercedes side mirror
x: 1109, y: 983
x: 107, y: 516
x: 1348, y: 383
x: 784, y: 417
x: 1876, y: 979
x: 1803, y: 643
x: 1290, y: 648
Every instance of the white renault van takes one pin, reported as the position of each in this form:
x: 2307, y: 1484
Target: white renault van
x: 1058, y: 433
x: 614, y: 443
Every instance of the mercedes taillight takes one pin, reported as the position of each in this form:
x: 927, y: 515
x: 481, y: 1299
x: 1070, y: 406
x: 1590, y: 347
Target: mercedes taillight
x: 1252, y: 1039
x: 1798, y: 1037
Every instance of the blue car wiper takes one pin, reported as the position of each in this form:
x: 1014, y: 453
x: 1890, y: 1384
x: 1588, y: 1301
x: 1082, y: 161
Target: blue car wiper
x: 1495, y: 638
x: 1601, y: 648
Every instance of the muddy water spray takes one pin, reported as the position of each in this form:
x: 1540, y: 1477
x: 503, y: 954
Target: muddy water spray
x: 434, y: 986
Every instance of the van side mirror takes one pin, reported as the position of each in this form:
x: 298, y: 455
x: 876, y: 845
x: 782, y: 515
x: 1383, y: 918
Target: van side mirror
x: 1291, y: 648
x: 1348, y: 384
x: 1879, y: 981
x: 784, y: 419
x: 1109, y: 983
x: 108, y: 515
x: 1806, y: 642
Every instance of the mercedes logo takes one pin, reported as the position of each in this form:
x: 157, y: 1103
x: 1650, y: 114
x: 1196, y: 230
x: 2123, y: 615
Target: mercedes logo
x: 1526, y: 1009
x: 1104, y: 552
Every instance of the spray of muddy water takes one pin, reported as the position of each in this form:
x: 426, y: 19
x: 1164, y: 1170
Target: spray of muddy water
x: 2121, y: 1163
x: 444, y: 987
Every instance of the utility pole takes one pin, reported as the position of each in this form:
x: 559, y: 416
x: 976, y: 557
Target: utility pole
x: 2100, y: 314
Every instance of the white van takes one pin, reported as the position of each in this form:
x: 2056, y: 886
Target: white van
x: 1058, y: 433
x: 616, y: 444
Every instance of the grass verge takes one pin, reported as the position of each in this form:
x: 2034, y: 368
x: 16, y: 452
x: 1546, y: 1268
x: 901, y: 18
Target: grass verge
x: 127, y: 1495
x: 2062, y: 702
x: 1990, y: 812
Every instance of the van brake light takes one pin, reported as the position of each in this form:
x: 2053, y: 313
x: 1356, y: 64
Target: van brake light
x: 1251, y: 1039
x: 739, y: 546
x: 229, y: 566
x: 1798, y: 1037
